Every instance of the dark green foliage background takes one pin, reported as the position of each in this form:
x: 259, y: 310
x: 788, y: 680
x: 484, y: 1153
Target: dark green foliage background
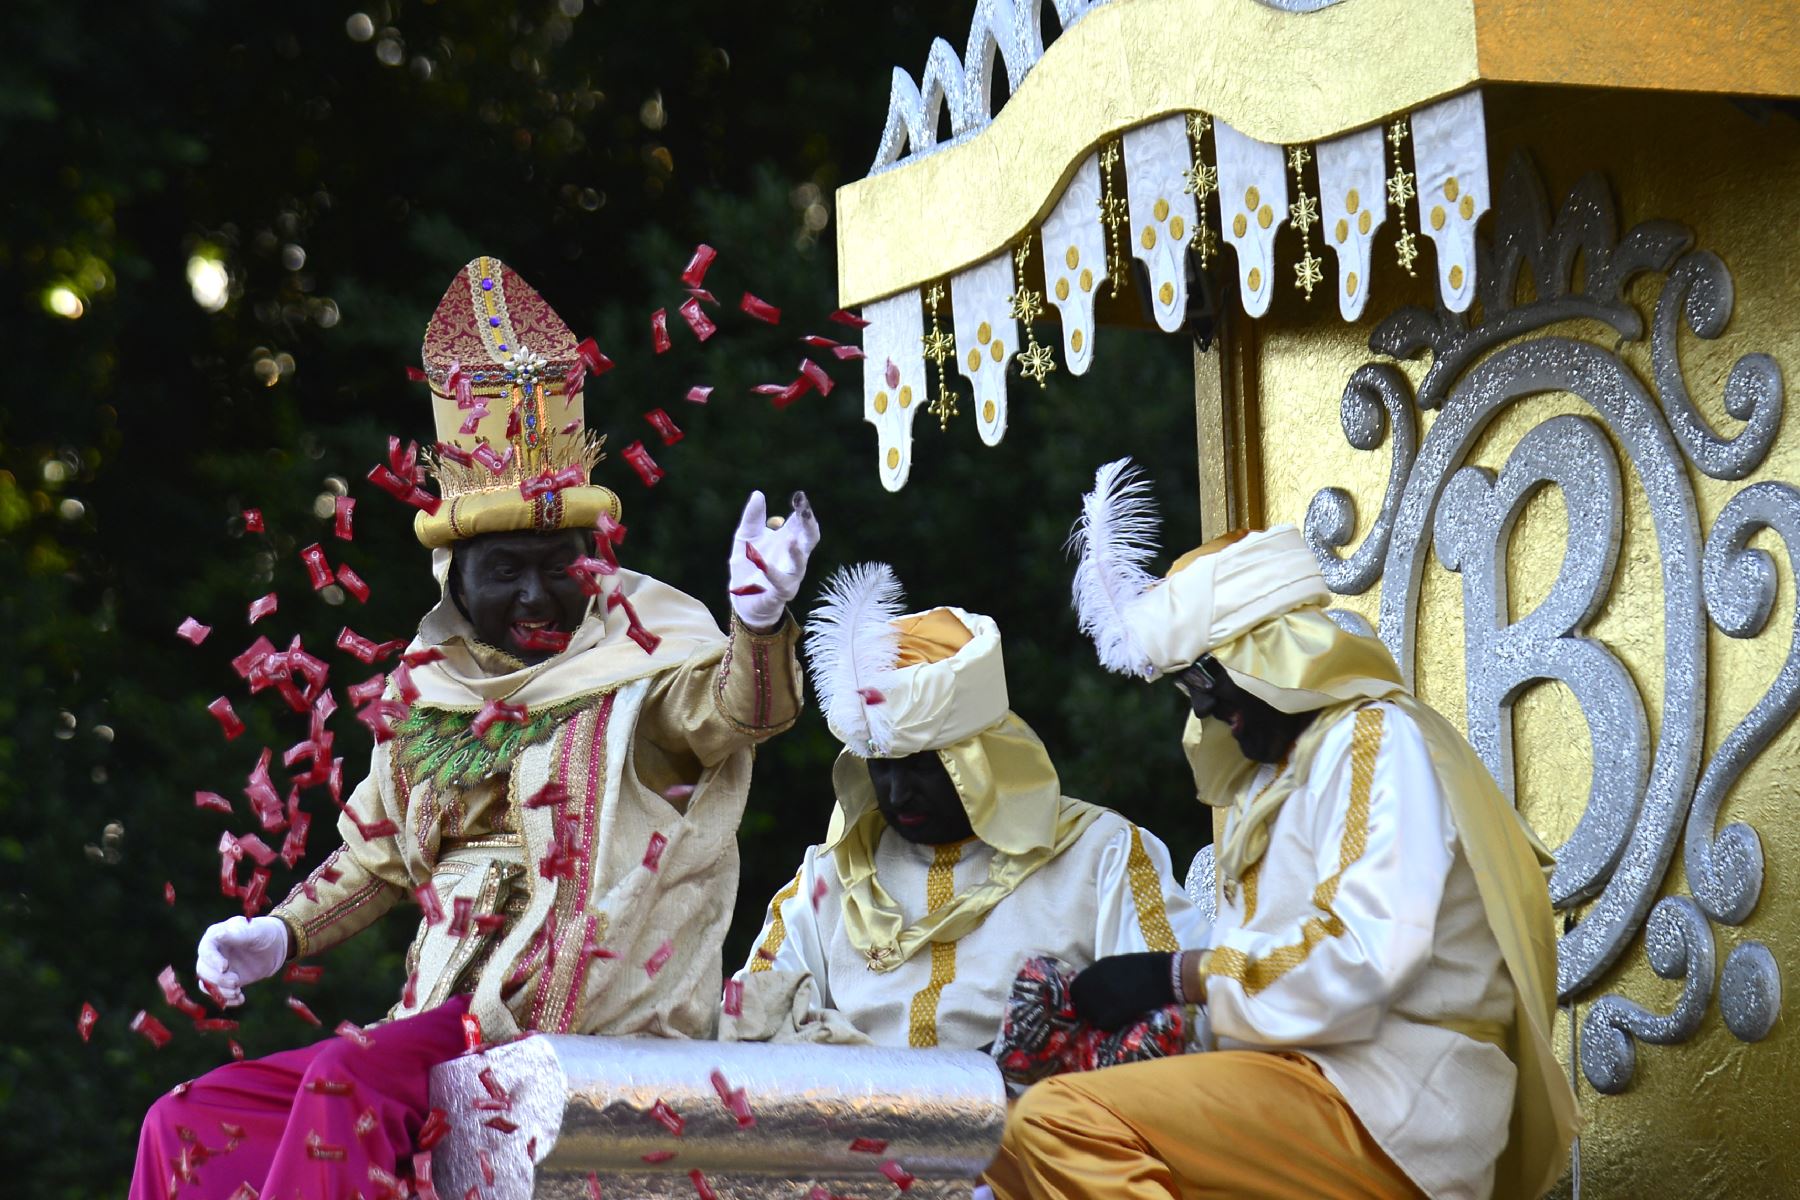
x: 135, y: 135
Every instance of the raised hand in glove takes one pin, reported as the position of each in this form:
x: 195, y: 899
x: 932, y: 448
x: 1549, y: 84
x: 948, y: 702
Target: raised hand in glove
x: 238, y: 952
x: 768, y: 560
x: 1122, y: 988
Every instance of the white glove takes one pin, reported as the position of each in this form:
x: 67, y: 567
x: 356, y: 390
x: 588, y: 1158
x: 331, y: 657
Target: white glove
x: 238, y: 952
x: 761, y: 593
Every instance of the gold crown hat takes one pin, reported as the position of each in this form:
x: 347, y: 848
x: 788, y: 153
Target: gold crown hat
x: 513, y: 451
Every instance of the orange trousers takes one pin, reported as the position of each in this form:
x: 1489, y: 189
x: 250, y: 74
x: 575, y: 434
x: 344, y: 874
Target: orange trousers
x: 1232, y: 1123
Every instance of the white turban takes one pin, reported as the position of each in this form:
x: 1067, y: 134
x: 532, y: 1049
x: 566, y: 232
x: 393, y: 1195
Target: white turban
x: 1152, y: 627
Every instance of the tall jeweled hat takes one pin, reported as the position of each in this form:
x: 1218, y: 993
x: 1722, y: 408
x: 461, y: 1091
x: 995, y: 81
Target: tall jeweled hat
x: 513, y: 451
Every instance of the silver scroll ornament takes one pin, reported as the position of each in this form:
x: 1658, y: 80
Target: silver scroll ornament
x: 1645, y: 800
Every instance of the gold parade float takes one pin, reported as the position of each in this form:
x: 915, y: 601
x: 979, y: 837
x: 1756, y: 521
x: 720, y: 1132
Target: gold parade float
x: 1497, y: 301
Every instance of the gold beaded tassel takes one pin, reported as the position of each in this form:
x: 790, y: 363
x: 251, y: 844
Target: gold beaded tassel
x: 1202, y: 183
x: 939, y: 346
x: 1399, y: 190
x: 1035, y: 361
x: 1303, y: 214
x: 1115, y: 214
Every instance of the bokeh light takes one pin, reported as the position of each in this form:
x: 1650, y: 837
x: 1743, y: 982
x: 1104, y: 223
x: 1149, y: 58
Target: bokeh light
x: 209, y: 281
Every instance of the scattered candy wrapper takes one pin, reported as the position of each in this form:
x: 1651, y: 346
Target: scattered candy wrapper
x: 844, y: 316
x: 846, y: 353
x: 253, y: 520
x: 657, y: 1156
x: 664, y: 425
x: 863, y: 1145
x: 699, y: 394
x: 317, y: 569
x: 734, y: 998
x: 695, y: 272
x: 422, y: 1184
x: 659, y: 330
x: 193, y: 631
x: 814, y: 372
x: 591, y: 358
x: 891, y: 373
x: 487, y: 1167
x: 460, y: 908
x: 437, y: 1124
x: 302, y: 973
x: 551, y: 795
x: 654, y: 851
x: 471, y: 1031
x: 696, y: 319
x: 502, y: 1124
x: 760, y: 309
x: 634, y: 628
x: 252, y: 657
x: 84, y: 1024
x: 702, y: 295
x: 429, y: 904
x: 593, y: 1182
x: 640, y: 461
x: 365, y: 1123
x: 369, y: 689
x: 495, y: 711
x: 677, y: 793
x: 150, y: 1029
x: 455, y: 454
x: 353, y: 583
x: 212, y: 800
x: 303, y: 1012
x: 818, y: 894
x: 899, y: 1174
x: 701, y: 1187
x: 364, y: 650
x: 263, y: 606
x: 420, y: 658
x: 552, y: 640
x: 350, y: 1031
x: 329, y: 1087
x: 228, y: 719
x: 656, y: 961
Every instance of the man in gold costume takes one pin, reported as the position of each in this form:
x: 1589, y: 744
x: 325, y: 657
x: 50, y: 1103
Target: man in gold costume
x: 561, y: 790
x: 1380, y: 977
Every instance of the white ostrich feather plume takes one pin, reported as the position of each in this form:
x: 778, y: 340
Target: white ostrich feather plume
x: 1115, y: 539
x: 851, y: 647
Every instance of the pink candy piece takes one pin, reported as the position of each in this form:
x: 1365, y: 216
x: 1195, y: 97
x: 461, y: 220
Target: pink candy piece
x: 734, y: 997
x: 151, y: 1029
x: 303, y: 1012
x: 168, y: 893
x: 419, y: 658
x: 353, y: 583
x: 253, y: 521
x: 701, y: 1187
x: 699, y: 394
x: 247, y: 662
x: 460, y: 907
x: 227, y: 719
x: 263, y: 606
x: 667, y: 1117
x: 899, y: 1174
x: 429, y: 904
x: 84, y: 1024
x: 659, y: 330
x: 846, y: 353
x: 212, y: 800
x: 697, y: 320
x: 863, y: 1145
x: 641, y: 462
x: 364, y: 650
x: 302, y: 973
x: 656, y: 961
x: 193, y: 631
x: 593, y: 1182
x: 760, y: 309
x: 352, y: 1032
x: 454, y: 453
x: 551, y: 640
x: 591, y: 358
x: 634, y: 628
x: 656, y: 1156
x: 818, y: 894
x: 317, y: 569
x: 844, y: 316
x: 665, y: 425
x: 654, y: 851
x: 695, y: 272
x: 497, y: 711
x: 344, y: 526
x: 891, y: 373
x: 818, y: 342
x: 814, y: 372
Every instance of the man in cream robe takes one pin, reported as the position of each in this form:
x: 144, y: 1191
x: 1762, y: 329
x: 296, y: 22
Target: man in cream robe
x: 907, y: 926
x: 562, y: 774
x: 1380, y: 975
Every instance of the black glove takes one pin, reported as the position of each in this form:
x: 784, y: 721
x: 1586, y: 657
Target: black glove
x: 1122, y: 988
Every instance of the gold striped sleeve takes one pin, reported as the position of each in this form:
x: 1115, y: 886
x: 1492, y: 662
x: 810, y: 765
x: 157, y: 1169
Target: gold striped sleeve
x: 765, y: 953
x: 1256, y: 974
x: 1147, y: 897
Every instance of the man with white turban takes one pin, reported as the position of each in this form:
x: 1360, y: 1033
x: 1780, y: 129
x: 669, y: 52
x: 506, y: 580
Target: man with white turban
x: 1380, y: 976
x: 952, y: 857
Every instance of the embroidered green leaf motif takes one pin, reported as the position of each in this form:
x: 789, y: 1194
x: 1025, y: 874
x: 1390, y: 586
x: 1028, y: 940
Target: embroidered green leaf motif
x: 439, y: 747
